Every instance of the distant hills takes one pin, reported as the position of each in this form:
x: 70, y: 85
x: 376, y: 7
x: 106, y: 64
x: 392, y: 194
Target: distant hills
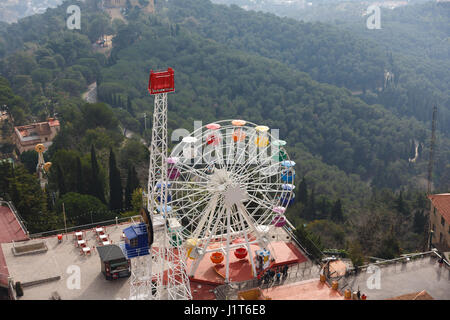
x: 13, y: 10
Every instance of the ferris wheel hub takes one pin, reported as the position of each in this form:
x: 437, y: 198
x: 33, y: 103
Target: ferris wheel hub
x: 235, y: 195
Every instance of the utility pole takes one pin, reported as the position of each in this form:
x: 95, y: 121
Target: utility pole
x: 65, y: 225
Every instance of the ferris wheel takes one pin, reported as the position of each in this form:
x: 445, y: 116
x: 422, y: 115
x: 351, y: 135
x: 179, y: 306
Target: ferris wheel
x: 229, y: 184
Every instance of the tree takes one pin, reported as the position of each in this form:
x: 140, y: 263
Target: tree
x: 445, y: 179
x: 310, y: 210
x: 132, y: 185
x: 390, y: 247
x: 400, y: 205
x: 419, y: 222
x: 356, y: 254
x: 96, y: 186
x: 97, y: 28
x: 115, y: 184
x: 60, y: 178
x: 311, y: 242
x: 49, y: 200
x: 336, y: 212
x: 29, y: 159
x: 130, y: 106
x: 82, y: 209
x: 98, y: 115
x: 79, y: 176
x: 43, y: 76
x: 137, y: 199
x: 303, y: 192
x: 25, y: 192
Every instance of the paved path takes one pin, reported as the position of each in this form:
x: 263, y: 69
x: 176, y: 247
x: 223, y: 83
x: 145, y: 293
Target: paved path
x: 91, y: 94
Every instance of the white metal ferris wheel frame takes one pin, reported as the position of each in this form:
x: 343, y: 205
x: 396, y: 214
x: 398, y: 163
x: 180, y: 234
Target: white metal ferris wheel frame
x: 162, y: 274
x: 219, y: 205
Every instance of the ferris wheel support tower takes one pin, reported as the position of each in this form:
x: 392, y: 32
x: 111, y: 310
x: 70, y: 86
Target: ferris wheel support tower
x: 167, y: 266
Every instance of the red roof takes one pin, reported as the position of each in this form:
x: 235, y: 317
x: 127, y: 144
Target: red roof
x: 423, y: 295
x: 10, y: 230
x: 442, y: 204
x: 53, y: 123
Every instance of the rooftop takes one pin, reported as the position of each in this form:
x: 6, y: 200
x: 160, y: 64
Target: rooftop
x: 60, y: 260
x: 10, y: 230
x: 401, y: 277
x: 305, y: 290
x: 423, y: 295
x: 36, y: 129
x: 442, y: 203
x: 110, y: 252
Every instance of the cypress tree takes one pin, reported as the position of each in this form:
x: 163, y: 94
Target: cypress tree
x: 48, y: 198
x: 132, y: 184
x: 96, y: 188
x: 129, y: 106
x: 419, y: 222
x: 336, y: 212
x: 60, y: 179
x: 79, y: 177
x: 400, y: 205
x: 311, y: 206
x: 115, y: 184
x: 303, y: 192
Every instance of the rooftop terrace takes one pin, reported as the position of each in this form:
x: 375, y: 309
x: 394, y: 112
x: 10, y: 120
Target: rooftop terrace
x: 401, y: 277
x: 56, y: 262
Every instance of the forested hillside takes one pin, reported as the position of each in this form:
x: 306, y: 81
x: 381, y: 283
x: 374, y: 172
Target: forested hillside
x: 353, y: 157
x: 412, y: 45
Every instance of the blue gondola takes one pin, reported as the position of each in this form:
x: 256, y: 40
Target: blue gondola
x: 169, y: 198
x: 169, y: 195
x: 285, y: 201
x: 136, y: 241
x: 288, y: 175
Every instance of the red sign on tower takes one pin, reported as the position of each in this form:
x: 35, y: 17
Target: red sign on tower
x: 161, y: 81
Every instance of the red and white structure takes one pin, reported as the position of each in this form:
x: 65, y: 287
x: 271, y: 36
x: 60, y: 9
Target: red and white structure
x: 162, y: 274
x: 216, y: 198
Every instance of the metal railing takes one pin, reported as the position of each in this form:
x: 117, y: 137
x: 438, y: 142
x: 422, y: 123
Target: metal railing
x: 116, y: 221
x: 404, y: 258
